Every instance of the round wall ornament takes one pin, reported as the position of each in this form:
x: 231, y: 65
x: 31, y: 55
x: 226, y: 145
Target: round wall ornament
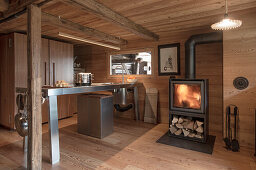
x: 241, y: 83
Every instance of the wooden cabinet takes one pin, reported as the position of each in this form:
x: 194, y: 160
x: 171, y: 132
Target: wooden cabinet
x: 61, y: 68
x: 61, y: 61
x: 56, y: 64
x: 7, y: 92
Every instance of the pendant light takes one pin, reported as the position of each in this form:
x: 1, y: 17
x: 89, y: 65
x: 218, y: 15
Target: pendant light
x: 226, y: 23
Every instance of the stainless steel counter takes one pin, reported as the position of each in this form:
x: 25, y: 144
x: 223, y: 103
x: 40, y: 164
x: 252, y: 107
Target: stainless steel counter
x: 85, y: 89
x: 52, y: 94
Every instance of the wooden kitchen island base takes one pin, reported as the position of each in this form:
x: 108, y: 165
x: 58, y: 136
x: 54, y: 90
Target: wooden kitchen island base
x: 131, y: 146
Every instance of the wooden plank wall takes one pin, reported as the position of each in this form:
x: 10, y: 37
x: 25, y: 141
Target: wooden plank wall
x: 209, y: 66
x: 209, y: 60
x: 239, y: 50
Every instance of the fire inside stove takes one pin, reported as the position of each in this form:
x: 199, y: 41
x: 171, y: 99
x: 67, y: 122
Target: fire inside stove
x: 187, y: 96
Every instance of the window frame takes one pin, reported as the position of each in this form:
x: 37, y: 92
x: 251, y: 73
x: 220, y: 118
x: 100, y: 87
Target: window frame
x: 152, y: 50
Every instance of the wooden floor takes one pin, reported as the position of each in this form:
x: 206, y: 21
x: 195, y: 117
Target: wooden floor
x: 132, y: 146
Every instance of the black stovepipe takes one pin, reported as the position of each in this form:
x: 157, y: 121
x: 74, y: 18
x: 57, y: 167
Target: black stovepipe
x: 190, y: 50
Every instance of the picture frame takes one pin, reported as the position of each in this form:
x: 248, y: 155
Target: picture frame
x: 169, y: 59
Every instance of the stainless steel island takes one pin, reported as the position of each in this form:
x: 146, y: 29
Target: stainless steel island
x: 52, y: 93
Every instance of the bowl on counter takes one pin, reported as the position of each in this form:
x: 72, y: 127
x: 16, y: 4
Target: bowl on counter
x: 131, y: 80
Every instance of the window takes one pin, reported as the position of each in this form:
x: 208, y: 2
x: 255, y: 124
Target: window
x: 138, y: 63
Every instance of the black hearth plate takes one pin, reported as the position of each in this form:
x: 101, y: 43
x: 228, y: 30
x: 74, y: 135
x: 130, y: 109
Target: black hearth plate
x: 188, y: 144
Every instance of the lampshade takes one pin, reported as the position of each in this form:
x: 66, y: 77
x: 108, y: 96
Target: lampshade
x: 226, y: 23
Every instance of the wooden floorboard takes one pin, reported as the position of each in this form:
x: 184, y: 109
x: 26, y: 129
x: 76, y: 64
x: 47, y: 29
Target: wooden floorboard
x: 132, y: 146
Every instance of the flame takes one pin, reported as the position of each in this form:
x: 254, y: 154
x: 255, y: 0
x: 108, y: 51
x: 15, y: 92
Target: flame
x: 187, y: 96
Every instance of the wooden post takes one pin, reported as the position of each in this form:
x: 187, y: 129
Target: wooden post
x: 34, y: 160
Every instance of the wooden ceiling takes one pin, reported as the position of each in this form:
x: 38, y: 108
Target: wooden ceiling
x: 161, y: 17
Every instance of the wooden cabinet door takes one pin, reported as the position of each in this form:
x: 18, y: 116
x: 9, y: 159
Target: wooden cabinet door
x: 20, y: 53
x: 21, y: 71
x: 45, y: 75
x: 61, y: 57
x: 45, y: 62
x: 72, y: 104
x: 61, y: 68
x: 45, y: 110
x: 7, y: 88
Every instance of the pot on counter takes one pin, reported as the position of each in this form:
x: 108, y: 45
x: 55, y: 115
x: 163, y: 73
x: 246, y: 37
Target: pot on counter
x: 84, y: 79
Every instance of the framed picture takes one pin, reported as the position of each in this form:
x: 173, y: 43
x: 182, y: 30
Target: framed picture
x: 169, y: 59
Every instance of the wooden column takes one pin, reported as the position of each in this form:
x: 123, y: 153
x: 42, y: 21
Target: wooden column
x: 34, y: 160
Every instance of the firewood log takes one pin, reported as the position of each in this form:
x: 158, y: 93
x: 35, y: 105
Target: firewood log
x: 191, y: 134
x: 178, y: 132
x: 180, y: 120
x: 185, y: 124
x: 199, y: 135
x: 190, y: 125
x: 175, y: 119
x: 195, y: 126
x: 199, y: 123
x: 173, y: 129
x: 185, y: 132
x: 185, y: 120
x: 179, y: 126
x: 200, y: 129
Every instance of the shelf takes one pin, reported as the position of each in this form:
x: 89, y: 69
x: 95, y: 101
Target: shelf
x: 198, y: 115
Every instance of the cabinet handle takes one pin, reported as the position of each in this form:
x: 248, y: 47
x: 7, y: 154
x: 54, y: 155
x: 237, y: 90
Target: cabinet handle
x: 53, y: 72
x: 45, y: 73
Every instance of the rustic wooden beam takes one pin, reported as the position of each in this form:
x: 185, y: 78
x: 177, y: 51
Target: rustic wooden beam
x: 60, y: 22
x: 4, y: 4
x: 100, y: 10
x: 16, y: 8
x: 34, y: 160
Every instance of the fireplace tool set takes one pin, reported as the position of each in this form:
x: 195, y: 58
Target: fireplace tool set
x: 231, y: 143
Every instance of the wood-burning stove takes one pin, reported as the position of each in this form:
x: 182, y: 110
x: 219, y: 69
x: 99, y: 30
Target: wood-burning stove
x: 188, y: 102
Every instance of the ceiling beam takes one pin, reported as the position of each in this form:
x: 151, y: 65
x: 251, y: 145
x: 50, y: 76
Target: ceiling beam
x: 16, y: 8
x: 60, y: 22
x: 100, y: 10
x: 4, y: 4
x: 19, y: 8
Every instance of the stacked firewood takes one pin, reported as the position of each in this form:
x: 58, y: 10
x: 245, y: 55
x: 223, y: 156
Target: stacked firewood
x: 187, y: 127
